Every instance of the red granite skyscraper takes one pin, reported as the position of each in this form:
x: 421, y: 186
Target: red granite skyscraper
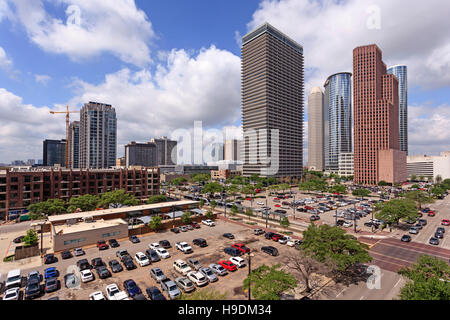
x: 376, y: 125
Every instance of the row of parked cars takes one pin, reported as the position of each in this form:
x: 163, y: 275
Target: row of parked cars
x: 420, y: 223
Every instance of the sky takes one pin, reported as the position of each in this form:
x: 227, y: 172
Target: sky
x: 165, y: 64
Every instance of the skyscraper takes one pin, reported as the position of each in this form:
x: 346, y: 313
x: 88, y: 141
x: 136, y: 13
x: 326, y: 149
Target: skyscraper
x: 166, y: 151
x: 232, y: 150
x: 141, y: 154
x: 74, y: 145
x: 401, y: 72
x: 98, y: 136
x: 315, y: 130
x: 337, y: 119
x: 272, y: 99
x: 54, y: 152
x: 376, y: 127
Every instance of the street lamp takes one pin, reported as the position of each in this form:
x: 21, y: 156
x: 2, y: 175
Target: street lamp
x: 249, y: 273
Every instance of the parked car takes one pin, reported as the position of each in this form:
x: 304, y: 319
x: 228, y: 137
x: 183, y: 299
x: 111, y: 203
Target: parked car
x: 113, y: 243
x: 152, y: 255
x: 98, y: 295
x: 165, y: 244
x: 18, y: 239
x: 12, y: 294
x: 238, y: 261
x: 228, y: 235
x: 181, y: 266
x: 50, y: 258
x: 276, y: 237
x: 83, y: 264
x: 155, y: 294
x: 97, y: 262
x: 194, y: 263
x: 440, y: 229
x: 134, y: 239
x: 170, y: 288
x: 270, y: 250
x: 208, y: 222
x: 78, y: 252
x: 50, y: 273
x: 413, y: 230
x: 200, y: 242
x: 185, y: 284
x: 157, y: 274
x: 423, y: 222
x: 242, y: 247
x: 183, y: 247
x: 258, y: 232
x: 434, y: 241
x: 115, y: 266
x: 103, y: 272
x: 113, y: 293
x: 51, y: 285
x: 162, y: 253
x: 128, y: 263
x: 195, y: 225
x: 445, y: 222
x: 86, y: 275
x: 209, y: 274
x: 218, y: 269
x: 438, y: 235
x: 197, y: 278
x: 139, y: 297
x: 174, y: 230
x: 228, y: 265
x: 183, y: 229
x: 406, y: 238
x: 33, y: 288
x: 269, y: 235
x: 314, y: 218
x: 234, y: 252
x: 154, y: 246
x: 66, y: 255
x: 141, y: 259
x: 101, y: 245
x: 131, y: 288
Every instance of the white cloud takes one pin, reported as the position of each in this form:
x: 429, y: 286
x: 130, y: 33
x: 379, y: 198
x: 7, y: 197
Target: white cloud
x: 23, y: 128
x: 5, y: 62
x: 90, y: 28
x: 42, y: 79
x: 414, y: 33
x: 186, y: 88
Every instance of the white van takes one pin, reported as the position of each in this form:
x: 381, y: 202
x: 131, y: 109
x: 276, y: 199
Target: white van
x: 14, y: 279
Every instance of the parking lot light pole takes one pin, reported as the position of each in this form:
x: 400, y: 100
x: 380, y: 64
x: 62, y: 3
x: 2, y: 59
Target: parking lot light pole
x: 249, y: 279
x: 336, y: 216
x: 372, y: 223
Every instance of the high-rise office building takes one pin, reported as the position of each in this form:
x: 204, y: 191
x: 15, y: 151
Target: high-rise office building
x: 376, y: 127
x: 98, y: 136
x: 74, y: 145
x: 54, y: 153
x: 337, y: 119
x: 232, y: 150
x: 315, y: 130
x: 141, y: 154
x: 401, y: 72
x: 272, y: 99
x: 166, y: 151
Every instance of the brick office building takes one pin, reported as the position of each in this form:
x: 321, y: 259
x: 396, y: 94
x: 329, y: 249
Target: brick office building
x: 21, y: 187
x: 376, y: 123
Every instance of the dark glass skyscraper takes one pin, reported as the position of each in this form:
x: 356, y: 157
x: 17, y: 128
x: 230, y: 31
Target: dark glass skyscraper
x: 74, y: 145
x: 337, y: 118
x: 54, y: 152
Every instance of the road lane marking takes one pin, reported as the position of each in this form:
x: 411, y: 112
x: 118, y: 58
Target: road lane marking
x: 398, y: 282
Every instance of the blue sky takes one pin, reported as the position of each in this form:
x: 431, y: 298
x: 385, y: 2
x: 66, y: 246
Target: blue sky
x: 165, y: 64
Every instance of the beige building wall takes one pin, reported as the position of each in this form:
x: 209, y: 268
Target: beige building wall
x: 232, y: 150
x: 392, y: 166
x: 315, y: 130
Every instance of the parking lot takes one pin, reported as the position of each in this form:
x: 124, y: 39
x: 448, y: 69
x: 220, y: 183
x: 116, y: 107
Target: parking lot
x: 230, y: 284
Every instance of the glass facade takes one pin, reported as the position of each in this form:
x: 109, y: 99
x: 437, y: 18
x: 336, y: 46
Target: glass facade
x: 401, y: 73
x: 337, y: 119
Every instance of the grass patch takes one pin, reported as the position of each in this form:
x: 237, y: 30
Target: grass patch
x: 250, y: 223
x: 8, y: 258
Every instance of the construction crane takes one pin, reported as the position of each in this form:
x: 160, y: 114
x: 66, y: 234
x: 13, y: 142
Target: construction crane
x: 67, y: 113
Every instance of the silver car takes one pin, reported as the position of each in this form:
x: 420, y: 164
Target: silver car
x: 208, y: 274
x: 157, y: 274
x: 218, y: 269
x: 185, y: 284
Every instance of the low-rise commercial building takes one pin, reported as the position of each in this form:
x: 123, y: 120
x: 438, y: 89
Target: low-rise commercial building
x: 224, y: 174
x: 429, y: 166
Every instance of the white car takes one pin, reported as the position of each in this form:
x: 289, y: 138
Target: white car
x: 98, y: 295
x: 78, y: 252
x: 154, y: 246
x: 12, y: 294
x: 260, y: 203
x: 238, y: 261
x: 113, y: 293
x: 208, y: 222
x: 181, y: 267
x: 86, y: 276
x: 162, y: 253
x: 284, y: 240
x: 197, y: 278
x: 141, y: 259
x: 347, y: 224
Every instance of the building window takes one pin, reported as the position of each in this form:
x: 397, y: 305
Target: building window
x: 74, y: 241
x: 111, y: 234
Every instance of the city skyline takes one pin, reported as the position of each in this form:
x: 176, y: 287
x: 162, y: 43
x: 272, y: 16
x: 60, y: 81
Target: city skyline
x: 36, y: 77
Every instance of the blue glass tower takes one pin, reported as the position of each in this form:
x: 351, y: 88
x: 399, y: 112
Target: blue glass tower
x: 337, y: 118
x: 401, y: 73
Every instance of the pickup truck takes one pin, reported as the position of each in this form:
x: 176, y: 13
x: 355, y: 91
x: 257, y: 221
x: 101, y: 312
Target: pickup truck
x: 113, y: 293
x: 184, y: 247
x: 171, y: 288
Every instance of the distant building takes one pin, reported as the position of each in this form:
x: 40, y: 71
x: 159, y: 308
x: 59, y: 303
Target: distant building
x: 345, y: 164
x: 429, y: 166
x: 98, y: 136
x: 74, y: 145
x: 315, y: 130
x: 232, y: 150
x: 31, y: 162
x: 54, y: 153
x: 166, y: 151
x: 141, y: 154
x: 224, y: 174
x: 120, y: 162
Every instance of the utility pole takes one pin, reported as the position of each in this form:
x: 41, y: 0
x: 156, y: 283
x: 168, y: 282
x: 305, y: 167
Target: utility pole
x: 249, y: 278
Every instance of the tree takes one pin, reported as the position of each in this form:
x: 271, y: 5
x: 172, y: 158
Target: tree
x: 419, y: 197
x: 395, y: 210
x: 201, y: 203
x: 383, y: 183
x: 213, y: 204
x: 421, y: 178
x: 361, y: 192
x: 413, y: 177
x: 155, y: 223
x: 179, y: 181
x: 201, y: 178
x: 438, y: 190
x: 30, y: 238
x: 438, y: 179
x: 339, y: 188
x: 85, y: 203
x: 117, y: 199
x: 207, y: 294
x: 186, y: 218
x: 334, y: 247
x: 249, y: 213
x: 49, y: 207
x: 234, y: 210
x: 209, y: 214
x: 428, y: 279
x: 268, y: 283
x: 233, y: 190
x: 156, y: 199
x: 212, y: 188
x: 284, y: 222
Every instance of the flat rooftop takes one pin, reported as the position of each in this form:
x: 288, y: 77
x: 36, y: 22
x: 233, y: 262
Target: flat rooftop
x: 86, y: 226
x: 99, y: 213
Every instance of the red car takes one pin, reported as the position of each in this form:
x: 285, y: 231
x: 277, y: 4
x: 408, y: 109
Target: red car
x: 431, y: 213
x: 101, y: 245
x: 276, y: 237
x: 445, y: 222
x: 241, y: 247
x: 277, y: 205
x: 228, y: 265
x: 420, y: 214
x: 308, y: 208
x: 195, y: 225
